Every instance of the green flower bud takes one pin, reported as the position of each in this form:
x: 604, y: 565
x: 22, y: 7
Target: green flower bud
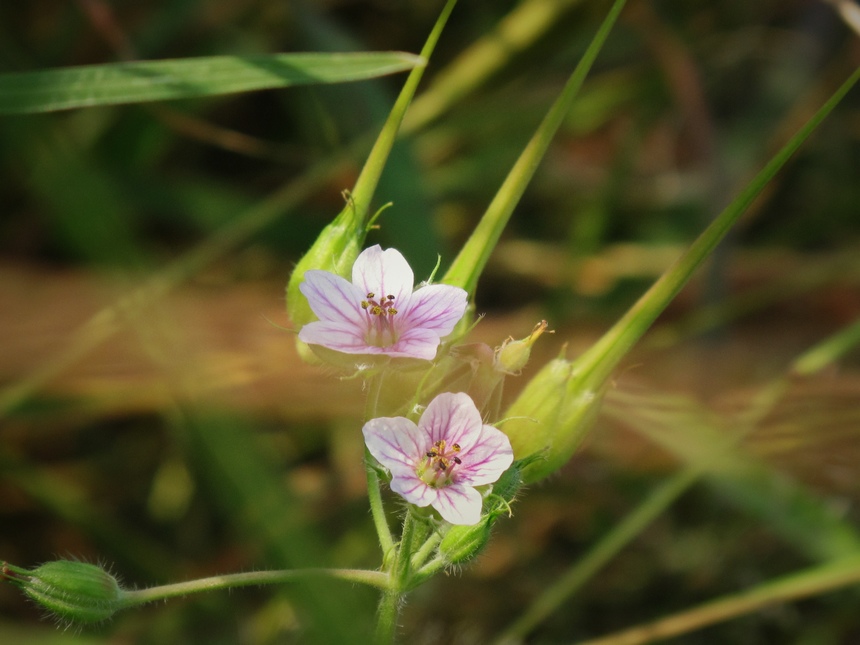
x: 334, y: 250
x: 462, y: 542
x: 551, y: 417
x: 73, y: 591
x: 509, y: 484
x: 513, y: 355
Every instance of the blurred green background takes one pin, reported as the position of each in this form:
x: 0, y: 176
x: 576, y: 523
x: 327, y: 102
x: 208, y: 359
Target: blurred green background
x: 148, y: 370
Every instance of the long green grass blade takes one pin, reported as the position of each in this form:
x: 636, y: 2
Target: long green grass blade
x: 600, y: 360
x: 805, y: 583
x: 518, y: 30
x: 470, y: 262
x: 141, y: 81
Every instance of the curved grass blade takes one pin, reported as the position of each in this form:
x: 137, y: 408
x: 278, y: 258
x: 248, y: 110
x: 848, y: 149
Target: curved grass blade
x: 601, y: 358
x: 813, y: 581
x: 470, y: 262
x: 142, y: 81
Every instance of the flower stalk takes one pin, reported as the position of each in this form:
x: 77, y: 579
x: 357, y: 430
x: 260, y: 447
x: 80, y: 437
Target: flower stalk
x: 339, y: 244
x: 79, y: 592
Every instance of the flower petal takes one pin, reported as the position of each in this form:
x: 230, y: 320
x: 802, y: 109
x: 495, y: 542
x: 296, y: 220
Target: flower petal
x: 383, y: 273
x: 339, y: 336
x: 487, y: 459
x: 452, y: 417
x: 458, y: 504
x: 414, y: 490
x: 396, y: 443
x: 417, y: 343
x: 483, y: 453
x: 332, y: 298
x: 438, y: 307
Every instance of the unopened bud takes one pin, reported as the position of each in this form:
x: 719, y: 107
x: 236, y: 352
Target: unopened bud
x: 73, y: 591
x: 551, y: 417
x: 513, y: 355
x: 509, y: 484
x: 462, y: 543
x: 334, y: 250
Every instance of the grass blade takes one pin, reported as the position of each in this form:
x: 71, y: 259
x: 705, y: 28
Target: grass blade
x: 142, y: 81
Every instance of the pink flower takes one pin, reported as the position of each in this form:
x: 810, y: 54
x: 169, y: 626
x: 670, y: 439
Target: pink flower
x: 439, y: 461
x: 379, y: 313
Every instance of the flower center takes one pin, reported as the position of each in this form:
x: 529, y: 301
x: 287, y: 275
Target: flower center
x: 380, y: 318
x: 437, y: 468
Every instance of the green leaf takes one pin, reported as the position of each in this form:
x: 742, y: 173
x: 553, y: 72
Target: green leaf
x: 137, y: 82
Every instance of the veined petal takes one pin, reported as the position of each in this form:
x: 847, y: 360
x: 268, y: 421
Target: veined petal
x: 383, y: 273
x: 440, y: 460
x: 388, y: 319
x: 340, y: 336
x: 331, y: 297
x: 454, y: 418
x: 396, y: 443
x: 438, y: 307
x: 417, y: 343
x: 491, y: 456
x: 458, y: 504
x: 414, y: 491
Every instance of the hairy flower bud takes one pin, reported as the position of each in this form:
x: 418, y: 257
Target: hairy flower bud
x: 462, y: 543
x: 73, y: 591
x: 506, y: 489
x: 334, y: 250
x: 551, y: 417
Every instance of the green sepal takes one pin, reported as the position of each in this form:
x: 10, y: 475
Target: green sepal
x: 551, y: 416
x: 462, y: 543
x: 77, y: 592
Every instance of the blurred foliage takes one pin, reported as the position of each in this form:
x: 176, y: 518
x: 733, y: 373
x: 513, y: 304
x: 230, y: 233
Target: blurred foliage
x: 139, y: 452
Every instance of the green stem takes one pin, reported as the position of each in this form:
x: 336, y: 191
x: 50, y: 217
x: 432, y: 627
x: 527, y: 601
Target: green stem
x: 374, y: 389
x: 377, y: 510
x: 143, y: 596
x: 429, y: 570
x: 420, y: 556
x: 404, y: 553
x: 365, y: 185
x: 415, y: 531
x: 400, y: 579
x: 374, y: 491
x: 518, y: 30
x: 386, y: 618
x: 826, y: 352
